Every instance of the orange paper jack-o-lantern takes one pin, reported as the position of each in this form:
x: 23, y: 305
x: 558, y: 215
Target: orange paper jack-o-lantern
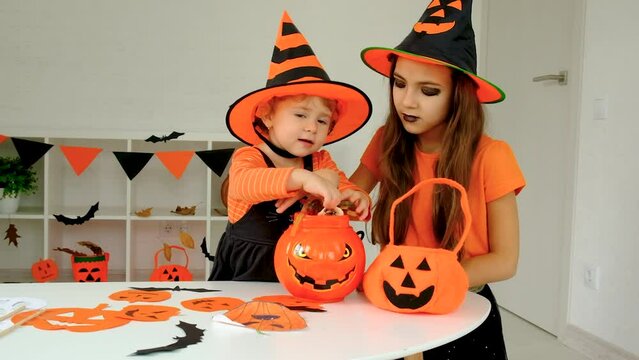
x: 44, y: 270
x: 90, y: 268
x: 74, y: 319
x: 140, y: 296
x: 214, y: 303
x: 139, y: 312
x: 411, y: 279
x: 293, y: 303
x: 320, y: 257
x: 438, y: 19
x: 266, y: 316
x: 171, y: 272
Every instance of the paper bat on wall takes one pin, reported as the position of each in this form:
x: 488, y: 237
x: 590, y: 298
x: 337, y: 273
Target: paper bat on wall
x: 78, y: 219
x: 171, y: 136
x: 176, y: 288
x: 193, y: 335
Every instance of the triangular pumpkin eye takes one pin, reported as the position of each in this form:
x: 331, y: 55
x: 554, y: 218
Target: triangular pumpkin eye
x: 398, y: 263
x: 423, y: 266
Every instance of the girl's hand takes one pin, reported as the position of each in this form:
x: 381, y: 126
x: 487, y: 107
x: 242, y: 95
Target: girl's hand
x: 322, y: 183
x: 361, y: 200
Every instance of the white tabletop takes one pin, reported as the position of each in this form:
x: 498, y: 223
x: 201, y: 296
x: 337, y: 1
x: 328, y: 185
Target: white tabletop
x: 351, y: 329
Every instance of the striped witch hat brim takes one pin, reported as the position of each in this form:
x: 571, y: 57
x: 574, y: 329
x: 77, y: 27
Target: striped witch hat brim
x: 296, y: 70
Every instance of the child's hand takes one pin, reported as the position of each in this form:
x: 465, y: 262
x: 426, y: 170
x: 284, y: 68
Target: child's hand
x: 318, y: 185
x: 361, y: 200
x: 329, y: 175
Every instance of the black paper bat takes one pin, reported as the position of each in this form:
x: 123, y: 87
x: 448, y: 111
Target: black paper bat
x: 193, y: 336
x: 177, y: 288
x: 171, y: 136
x: 78, y: 219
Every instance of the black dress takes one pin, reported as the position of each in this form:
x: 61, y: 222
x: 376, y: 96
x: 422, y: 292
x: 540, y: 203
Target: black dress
x: 247, y: 247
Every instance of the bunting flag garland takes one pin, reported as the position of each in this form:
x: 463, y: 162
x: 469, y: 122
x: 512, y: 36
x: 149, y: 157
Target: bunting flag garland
x: 132, y: 162
x: 30, y: 151
x: 79, y: 157
x: 175, y: 161
x: 216, y: 160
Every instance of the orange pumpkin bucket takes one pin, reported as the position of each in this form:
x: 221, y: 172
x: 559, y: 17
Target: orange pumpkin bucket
x: 171, y: 272
x: 414, y: 279
x: 320, y: 257
x: 90, y: 268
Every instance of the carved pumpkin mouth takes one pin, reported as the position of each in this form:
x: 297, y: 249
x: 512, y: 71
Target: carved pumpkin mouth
x: 408, y: 301
x: 326, y: 286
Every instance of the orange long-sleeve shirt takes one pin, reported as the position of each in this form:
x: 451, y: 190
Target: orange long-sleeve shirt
x: 251, y: 181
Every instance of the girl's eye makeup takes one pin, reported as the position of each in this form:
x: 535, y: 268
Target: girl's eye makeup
x: 399, y: 84
x: 429, y: 91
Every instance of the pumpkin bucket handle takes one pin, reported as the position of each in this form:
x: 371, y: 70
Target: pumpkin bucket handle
x: 174, y: 247
x: 418, y: 186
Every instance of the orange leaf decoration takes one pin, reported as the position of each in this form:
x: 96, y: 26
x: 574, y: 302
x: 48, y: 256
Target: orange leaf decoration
x: 184, y: 210
x: 187, y: 240
x: 144, y: 212
x: 167, y: 252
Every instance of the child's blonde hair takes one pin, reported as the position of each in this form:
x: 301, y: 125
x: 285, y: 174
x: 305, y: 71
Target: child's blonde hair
x: 267, y: 107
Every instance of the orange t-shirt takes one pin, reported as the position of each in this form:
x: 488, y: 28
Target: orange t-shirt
x: 251, y: 181
x: 494, y: 173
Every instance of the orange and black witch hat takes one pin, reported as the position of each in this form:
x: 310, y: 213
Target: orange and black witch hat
x: 443, y: 35
x: 296, y: 70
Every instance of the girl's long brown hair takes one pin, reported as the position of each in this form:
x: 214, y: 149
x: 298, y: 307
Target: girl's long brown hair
x: 465, y: 127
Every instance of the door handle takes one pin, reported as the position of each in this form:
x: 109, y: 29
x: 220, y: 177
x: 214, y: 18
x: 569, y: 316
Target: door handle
x: 562, y: 78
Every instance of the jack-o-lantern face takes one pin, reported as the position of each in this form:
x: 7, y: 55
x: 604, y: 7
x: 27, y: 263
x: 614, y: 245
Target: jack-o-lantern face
x: 148, y: 312
x: 90, y: 268
x: 140, y: 296
x: 266, y: 316
x: 293, y: 303
x: 418, y: 279
x: 171, y: 272
x: 214, y: 303
x: 74, y: 319
x: 44, y: 270
x: 437, y: 18
x: 320, y: 257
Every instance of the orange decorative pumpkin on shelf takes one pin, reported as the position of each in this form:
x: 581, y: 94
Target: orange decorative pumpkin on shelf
x: 320, y: 258
x: 90, y: 268
x: 44, y: 270
x: 414, y: 279
x: 171, y: 272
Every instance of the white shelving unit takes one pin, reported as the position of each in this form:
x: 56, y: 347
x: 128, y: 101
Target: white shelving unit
x: 132, y: 241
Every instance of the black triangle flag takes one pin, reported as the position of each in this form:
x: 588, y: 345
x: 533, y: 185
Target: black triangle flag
x: 216, y: 160
x: 132, y: 162
x: 30, y: 151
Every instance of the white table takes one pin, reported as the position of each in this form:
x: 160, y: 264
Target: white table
x: 351, y: 329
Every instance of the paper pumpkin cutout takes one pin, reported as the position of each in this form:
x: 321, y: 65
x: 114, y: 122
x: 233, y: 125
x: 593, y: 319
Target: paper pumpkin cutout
x: 74, y: 319
x: 148, y: 312
x: 193, y: 335
x: 412, y: 279
x: 211, y: 304
x: 438, y: 19
x: 44, y: 270
x: 79, y: 157
x: 140, y: 295
x: 266, y: 316
x: 320, y: 257
x: 171, y: 272
x: 293, y: 303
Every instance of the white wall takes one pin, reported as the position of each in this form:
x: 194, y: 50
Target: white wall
x: 606, y: 230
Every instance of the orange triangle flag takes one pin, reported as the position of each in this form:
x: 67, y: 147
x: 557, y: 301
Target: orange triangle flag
x: 175, y: 161
x: 79, y: 157
x: 2, y: 138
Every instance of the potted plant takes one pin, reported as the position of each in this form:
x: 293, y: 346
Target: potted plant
x: 15, y: 179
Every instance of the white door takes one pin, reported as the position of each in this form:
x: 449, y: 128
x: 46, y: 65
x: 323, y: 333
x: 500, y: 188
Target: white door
x: 522, y: 40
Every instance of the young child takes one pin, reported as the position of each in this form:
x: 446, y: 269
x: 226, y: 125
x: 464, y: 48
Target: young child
x: 287, y: 123
x: 435, y: 128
